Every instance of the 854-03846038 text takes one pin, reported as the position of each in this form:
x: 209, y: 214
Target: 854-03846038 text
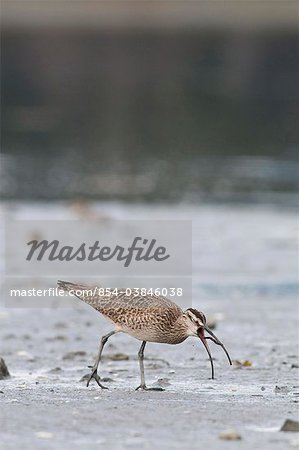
x: 134, y: 292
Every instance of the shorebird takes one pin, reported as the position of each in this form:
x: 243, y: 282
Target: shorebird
x: 148, y: 318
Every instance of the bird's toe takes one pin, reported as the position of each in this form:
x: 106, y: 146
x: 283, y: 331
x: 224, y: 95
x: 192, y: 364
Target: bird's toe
x: 96, y: 377
x: 145, y: 388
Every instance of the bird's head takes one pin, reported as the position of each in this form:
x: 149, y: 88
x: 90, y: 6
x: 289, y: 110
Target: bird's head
x: 197, y: 325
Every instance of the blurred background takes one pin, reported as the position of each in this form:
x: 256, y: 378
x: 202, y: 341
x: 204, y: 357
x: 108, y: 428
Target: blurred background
x: 150, y: 101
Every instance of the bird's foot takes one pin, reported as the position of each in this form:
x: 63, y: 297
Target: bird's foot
x: 97, y: 379
x: 144, y: 388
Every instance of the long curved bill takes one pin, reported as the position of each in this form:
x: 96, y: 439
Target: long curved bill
x: 216, y: 341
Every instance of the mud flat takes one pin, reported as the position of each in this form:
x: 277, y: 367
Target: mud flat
x: 44, y: 405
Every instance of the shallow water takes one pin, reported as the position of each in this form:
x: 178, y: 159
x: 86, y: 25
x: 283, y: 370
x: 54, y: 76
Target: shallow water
x: 230, y: 178
x: 237, y: 250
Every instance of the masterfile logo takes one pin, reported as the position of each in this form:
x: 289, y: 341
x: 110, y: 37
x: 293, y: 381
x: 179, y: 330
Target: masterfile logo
x: 145, y: 250
x: 80, y: 248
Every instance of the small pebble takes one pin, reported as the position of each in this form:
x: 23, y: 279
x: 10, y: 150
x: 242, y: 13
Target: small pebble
x: 4, y: 373
x: 107, y: 380
x: 58, y: 337
x: 44, y: 435
x: 104, y: 379
x: 22, y: 353
x: 239, y: 364
x: 55, y: 370
x: 73, y: 355
x: 118, y: 357
x: 281, y: 389
x: 27, y: 337
x: 290, y: 425
x: 230, y: 435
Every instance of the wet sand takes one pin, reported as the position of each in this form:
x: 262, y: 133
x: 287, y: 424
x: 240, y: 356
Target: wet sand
x: 244, y: 274
x: 44, y: 404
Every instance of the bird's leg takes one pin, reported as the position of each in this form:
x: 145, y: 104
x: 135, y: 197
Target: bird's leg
x: 94, y: 372
x: 141, y: 365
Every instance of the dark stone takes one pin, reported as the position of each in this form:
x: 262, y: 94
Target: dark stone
x: 3, y: 370
x: 290, y: 425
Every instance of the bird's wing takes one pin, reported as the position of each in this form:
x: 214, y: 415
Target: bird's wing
x: 107, y: 304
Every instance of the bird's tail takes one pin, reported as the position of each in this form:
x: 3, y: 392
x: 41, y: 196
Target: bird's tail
x: 85, y: 293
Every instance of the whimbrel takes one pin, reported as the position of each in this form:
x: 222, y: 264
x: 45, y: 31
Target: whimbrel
x: 147, y: 318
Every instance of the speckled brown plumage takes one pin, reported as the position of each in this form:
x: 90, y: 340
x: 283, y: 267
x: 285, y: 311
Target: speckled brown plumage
x: 147, y: 318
